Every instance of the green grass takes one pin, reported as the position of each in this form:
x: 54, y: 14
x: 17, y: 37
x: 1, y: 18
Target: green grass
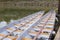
x: 16, y: 13
x: 8, y: 13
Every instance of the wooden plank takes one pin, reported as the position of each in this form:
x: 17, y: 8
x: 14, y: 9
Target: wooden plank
x: 58, y: 35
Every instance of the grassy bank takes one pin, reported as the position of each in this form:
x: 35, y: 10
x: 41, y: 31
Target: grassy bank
x: 9, y: 13
x: 16, y: 13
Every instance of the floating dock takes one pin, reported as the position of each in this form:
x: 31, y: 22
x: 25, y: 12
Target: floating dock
x: 33, y: 27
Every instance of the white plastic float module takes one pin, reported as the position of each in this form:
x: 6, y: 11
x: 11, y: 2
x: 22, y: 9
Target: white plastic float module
x: 49, y: 29
x: 26, y: 31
